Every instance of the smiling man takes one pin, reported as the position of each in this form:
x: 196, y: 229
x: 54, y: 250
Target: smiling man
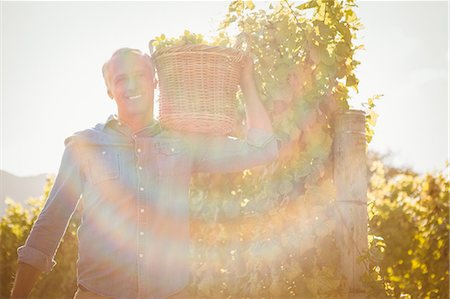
x: 132, y: 178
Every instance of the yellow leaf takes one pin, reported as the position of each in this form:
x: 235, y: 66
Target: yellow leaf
x: 307, y: 5
x: 250, y: 5
x: 372, y: 119
x: 351, y: 81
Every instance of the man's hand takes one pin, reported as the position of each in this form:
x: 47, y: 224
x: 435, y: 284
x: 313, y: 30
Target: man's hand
x: 26, y: 277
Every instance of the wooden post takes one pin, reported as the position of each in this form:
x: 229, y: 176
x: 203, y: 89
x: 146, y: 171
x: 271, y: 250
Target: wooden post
x: 350, y: 178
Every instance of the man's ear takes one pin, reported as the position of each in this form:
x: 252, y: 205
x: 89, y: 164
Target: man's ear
x: 110, y: 95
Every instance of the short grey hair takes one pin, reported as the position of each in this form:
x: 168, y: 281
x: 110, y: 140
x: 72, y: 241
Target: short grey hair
x: 123, y: 52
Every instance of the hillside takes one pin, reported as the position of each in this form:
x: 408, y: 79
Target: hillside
x: 19, y: 188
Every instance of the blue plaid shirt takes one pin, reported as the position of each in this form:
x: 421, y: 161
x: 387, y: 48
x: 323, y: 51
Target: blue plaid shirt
x: 134, y: 232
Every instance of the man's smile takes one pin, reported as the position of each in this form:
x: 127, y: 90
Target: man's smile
x: 136, y: 97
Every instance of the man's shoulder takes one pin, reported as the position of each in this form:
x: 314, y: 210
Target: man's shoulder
x: 91, y: 135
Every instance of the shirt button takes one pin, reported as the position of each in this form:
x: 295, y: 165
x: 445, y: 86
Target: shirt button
x: 142, y: 188
x: 142, y: 210
x: 141, y: 255
x: 138, y: 150
x: 141, y: 233
x: 140, y: 167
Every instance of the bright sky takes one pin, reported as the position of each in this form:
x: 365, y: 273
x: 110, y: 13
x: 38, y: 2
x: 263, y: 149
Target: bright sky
x: 52, y: 53
x: 407, y: 60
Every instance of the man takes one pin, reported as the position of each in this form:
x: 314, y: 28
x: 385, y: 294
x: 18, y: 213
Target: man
x: 134, y: 178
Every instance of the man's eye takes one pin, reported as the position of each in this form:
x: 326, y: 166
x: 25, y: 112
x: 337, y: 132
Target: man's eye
x: 119, y: 80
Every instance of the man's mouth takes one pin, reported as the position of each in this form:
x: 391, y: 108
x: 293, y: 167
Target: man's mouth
x: 136, y: 97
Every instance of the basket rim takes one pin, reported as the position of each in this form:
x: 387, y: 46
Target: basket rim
x: 198, y: 48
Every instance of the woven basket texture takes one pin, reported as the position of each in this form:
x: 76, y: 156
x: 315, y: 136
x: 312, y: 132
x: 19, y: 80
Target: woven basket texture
x: 198, y: 85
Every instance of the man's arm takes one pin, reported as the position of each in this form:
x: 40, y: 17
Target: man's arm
x: 26, y: 277
x: 257, y: 116
x: 40, y: 247
x: 219, y: 154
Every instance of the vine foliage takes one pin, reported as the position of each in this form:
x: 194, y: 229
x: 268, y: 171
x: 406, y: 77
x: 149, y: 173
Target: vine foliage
x: 268, y: 232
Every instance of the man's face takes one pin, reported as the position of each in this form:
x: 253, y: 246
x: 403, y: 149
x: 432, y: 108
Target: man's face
x: 131, y: 85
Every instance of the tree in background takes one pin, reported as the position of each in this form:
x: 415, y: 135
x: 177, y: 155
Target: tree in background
x: 408, y: 232
x: 15, y: 227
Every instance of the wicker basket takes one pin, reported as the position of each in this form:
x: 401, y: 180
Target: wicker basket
x: 198, y: 85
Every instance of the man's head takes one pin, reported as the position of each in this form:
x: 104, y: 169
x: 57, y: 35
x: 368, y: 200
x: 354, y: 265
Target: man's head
x: 130, y: 81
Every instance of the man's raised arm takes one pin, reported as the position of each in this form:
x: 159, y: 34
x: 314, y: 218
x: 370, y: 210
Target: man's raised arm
x: 257, y: 116
x: 220, y: 154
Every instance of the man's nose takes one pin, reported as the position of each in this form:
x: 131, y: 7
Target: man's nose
x: 131, y: 83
